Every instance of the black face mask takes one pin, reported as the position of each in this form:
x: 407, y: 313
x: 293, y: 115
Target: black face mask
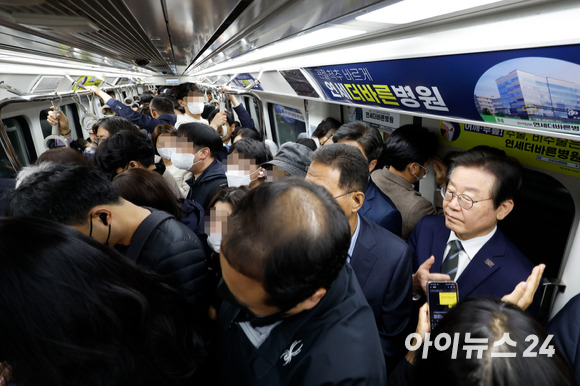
x: 245, y: 314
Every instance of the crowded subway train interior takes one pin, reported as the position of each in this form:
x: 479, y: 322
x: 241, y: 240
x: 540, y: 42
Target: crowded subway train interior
x: 503, y: 73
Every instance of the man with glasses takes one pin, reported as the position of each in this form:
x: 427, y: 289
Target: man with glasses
x: 466, y: 245
x: 380, y: 259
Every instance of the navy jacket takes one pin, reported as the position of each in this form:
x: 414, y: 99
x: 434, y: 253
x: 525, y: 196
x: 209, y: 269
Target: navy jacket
x: 379, y: 208
x: 382, y: 263
x: 565, y: 327
x: 207, y: 184
x: 143, y: 121
x: 335, y: 343
x: 495, y: 271
x: 245, y: 118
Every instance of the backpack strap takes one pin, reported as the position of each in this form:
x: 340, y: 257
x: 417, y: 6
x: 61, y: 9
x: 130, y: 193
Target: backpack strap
x: 144, y: 231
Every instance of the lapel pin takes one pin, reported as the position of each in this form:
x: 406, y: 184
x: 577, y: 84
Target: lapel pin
x: 489, y: 263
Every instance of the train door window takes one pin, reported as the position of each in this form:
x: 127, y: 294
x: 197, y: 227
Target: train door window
x: 252, y: 107
x: 19, y: 135
x: 286, y: 123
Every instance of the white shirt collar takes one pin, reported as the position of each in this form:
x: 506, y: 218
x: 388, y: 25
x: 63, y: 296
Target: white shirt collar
x: 472, y: 246
x: 354, y: 238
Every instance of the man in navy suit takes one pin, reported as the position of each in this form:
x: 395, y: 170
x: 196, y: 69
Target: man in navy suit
x: 380, y: 259
x: 377, y: 206
x: 466, y: 245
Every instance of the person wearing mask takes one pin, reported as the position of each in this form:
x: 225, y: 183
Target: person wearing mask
x: 244, y: 163
x: 126, y: 150
x: 164, y: 139
x: 377, y: 206
x: 197, y: 147
x: 409, y: 151
x: 192, y: 98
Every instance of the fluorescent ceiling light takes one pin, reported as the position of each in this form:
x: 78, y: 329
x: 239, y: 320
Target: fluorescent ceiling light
x: 312, y: 39
x: 408, y: 11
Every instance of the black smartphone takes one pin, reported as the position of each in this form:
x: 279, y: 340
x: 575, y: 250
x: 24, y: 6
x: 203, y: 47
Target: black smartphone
x: 441, y: 296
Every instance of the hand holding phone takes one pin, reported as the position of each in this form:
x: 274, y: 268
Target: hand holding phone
x: 441, y: 296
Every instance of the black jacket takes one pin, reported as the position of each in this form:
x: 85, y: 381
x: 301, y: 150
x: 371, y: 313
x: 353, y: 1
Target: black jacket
x: 207, y: 184
x: 335, y: 343
x: 166, y: 246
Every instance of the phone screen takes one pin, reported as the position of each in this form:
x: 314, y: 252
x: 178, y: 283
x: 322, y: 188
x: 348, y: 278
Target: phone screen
x: 442, y: 296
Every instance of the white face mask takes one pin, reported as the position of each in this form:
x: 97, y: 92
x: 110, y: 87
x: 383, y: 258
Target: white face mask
x: 166, y: 152
x: 214, y: 241
x: 184, y: 161
x: 237, y: 178
x: 195, y: 108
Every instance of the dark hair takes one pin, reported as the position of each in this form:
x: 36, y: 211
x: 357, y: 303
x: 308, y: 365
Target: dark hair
x: 79, y: 144
x: 74, y: 312
x: 230, y: 195
x: 246, y: 133
x: 164, y: 128
x: 162, y: 104
x: 145, y: 187
x: 408, y: 144
x: 368, y: 137
x: 114, y: 124
x: 490, y: 319
x: 308, y: 142
x: 506, y: 170
x: 229, y: 116
x: 120, y: 149
x: 146, y: 97
x: 292, y: 258
x: 201, y: 135
x: 60, y: 192
x: 252, y: 149
x: 353, y: 166
x: 181, y: 91
x: 62, y: 154
x: 329, y: 124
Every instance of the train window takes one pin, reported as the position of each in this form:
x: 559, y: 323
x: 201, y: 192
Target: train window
x: 252, y: 108
x: 19, y: 135
x: 286, y: 123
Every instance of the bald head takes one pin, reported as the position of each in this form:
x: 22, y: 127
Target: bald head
x: 290, y: 236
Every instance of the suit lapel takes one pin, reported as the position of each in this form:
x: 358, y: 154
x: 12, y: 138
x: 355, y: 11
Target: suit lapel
x: 440, y: 237
x: 484, y: 264
x: 369, y: 197
x: 362, y: 259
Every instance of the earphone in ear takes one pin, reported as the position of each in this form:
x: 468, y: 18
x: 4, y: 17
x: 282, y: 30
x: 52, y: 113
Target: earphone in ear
x: 261, y: 173
x: 103, y: 217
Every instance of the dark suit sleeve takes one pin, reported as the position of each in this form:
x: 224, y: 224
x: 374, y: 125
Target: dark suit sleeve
x: 392, y: 221
x: 245, y: 117
x: 412, y: 242
x: 143, y: 121
x: 396, y: 308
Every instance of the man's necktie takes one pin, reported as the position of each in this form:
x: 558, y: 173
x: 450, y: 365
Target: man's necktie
x: 449, y: 266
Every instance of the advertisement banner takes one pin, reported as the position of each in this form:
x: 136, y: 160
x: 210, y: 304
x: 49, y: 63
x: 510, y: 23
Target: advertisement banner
x: 536, y: 88
x: 555, y: 154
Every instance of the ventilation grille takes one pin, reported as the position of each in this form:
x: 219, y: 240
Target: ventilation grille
x: 46, y: 84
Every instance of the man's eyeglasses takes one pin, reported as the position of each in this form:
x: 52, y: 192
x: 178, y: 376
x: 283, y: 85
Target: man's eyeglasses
x: 463, y: 200
x: 344, y: 194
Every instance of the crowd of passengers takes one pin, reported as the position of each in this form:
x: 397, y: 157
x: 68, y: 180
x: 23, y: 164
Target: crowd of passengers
x: 176, y: 247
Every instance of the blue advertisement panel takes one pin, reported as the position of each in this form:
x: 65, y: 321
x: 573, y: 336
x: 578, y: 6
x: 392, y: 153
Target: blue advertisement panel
x: 244, y: 80
x: 536, y: 88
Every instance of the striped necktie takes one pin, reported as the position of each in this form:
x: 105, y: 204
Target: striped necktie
x: 449, y: 266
